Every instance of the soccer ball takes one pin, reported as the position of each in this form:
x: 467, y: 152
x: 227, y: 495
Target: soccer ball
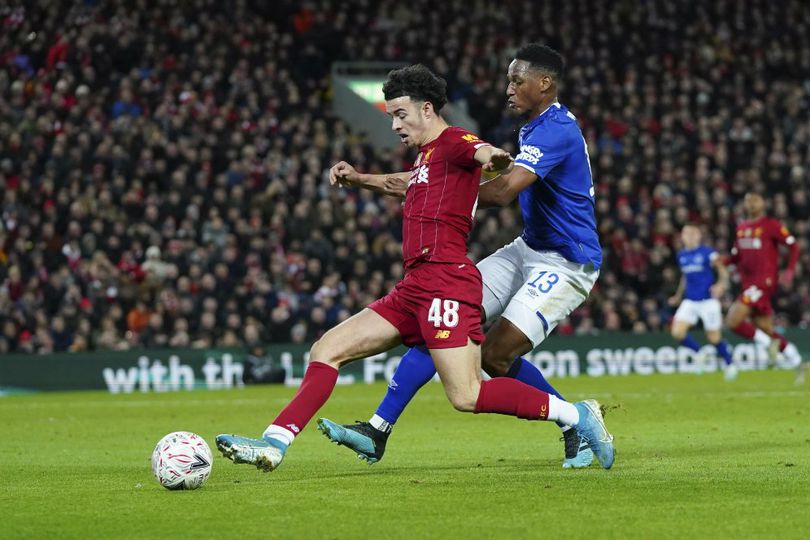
x: 181, y: 460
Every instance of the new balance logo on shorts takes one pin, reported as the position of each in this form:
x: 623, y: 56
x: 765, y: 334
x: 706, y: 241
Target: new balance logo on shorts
x: 442, y: 334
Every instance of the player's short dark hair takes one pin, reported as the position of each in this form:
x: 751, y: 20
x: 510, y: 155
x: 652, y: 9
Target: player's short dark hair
x: 418, y: 83
x: 542, y: 58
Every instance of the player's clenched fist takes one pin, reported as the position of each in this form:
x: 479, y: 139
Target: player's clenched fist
x: 342, y: 174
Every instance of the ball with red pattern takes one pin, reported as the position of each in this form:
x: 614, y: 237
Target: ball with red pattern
x: 182, y: 460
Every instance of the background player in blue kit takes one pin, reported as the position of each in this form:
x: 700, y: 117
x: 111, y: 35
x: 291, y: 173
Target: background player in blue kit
x: 698, y: 295
x: 535, y: 281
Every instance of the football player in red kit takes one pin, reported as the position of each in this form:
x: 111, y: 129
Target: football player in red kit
x: 756, y: 256
x: 438, y: 302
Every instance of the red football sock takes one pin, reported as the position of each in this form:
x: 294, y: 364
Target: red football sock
x: 783, y: 342
x: 317, y: 386
x: 745, y: 329
x: 503, y: 395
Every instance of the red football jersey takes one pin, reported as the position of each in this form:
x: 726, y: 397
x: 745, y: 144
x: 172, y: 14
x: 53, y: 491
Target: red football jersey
x: 441, y: 198
x: 756, y: 250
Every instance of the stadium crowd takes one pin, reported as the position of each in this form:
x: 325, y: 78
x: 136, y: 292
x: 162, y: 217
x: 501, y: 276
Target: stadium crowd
x: 162, y: 163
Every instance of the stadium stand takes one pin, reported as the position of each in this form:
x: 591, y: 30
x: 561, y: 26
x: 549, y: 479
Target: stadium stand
x: 162, y: 163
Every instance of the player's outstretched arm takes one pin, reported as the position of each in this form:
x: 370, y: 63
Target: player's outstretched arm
x: 503, y: 189
x: 494, y: 161
x: 721, y: 285
x: 394, y: 184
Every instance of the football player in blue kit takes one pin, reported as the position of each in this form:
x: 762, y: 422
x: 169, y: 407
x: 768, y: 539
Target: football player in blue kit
x: 698, y: 295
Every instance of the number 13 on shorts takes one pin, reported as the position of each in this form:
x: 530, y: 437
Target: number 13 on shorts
x: 443, y: 312
x: 544, y: 281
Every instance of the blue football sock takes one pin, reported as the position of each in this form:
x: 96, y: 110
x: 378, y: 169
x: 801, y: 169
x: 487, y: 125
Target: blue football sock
x: 526, y: 372
x: 722, y: 350
x: 414, y: 371
x: 690, y: 343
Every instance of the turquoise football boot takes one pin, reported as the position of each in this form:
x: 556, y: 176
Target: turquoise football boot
x: 266, y: 453
x: 578, y: 453
x: 363, y: 438
x: 591, y: 427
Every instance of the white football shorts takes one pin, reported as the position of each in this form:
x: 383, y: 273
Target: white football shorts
x: 708, y: 311
x: 534, y: 290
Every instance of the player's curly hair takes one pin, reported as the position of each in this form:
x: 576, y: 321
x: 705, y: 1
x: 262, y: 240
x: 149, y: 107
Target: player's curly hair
x: 417, y: 82
x: 543, y: 58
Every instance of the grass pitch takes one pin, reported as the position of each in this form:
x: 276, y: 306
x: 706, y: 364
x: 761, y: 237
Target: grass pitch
x: 696, y: 457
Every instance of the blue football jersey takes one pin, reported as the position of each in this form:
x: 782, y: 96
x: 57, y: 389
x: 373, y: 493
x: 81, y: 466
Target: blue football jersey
x: 558, y: 208
x: 696, y: 266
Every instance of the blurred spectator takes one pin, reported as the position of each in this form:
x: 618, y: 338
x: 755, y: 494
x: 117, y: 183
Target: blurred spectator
x: 156, y: 270
x: 162, y: 170
x: 61, y: 336
x: 138, y: 317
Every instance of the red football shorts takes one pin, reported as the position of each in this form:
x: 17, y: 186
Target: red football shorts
x: 758, y: 298
x: 436, y: 304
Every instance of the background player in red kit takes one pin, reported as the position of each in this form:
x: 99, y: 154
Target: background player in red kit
x: 756, y: 256
x: 438, y: 301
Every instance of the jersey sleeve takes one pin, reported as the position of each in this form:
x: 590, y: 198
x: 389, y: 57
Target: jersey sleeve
x: 784, y: 237
x: 540, y: 153
x: 733, y: 257
x: 782, y: 234
x: 462, y: 148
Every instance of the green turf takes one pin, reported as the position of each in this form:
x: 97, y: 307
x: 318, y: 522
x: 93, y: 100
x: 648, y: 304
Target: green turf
x: 696, y: 457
